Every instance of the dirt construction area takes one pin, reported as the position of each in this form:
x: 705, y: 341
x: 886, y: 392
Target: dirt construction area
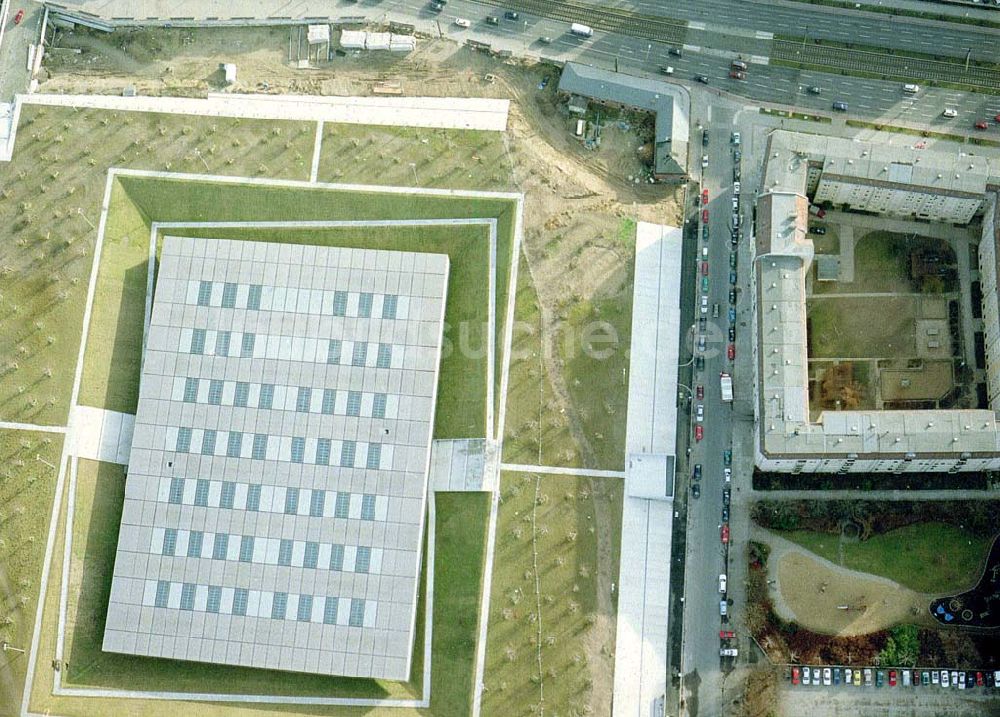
x: 831, y: 600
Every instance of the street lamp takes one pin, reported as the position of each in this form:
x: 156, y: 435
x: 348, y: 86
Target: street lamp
x: 7, y: 647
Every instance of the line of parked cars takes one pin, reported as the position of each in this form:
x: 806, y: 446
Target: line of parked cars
x: 879, y: 677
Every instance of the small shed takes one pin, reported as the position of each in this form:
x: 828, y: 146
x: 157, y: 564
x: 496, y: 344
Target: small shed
x: 827, y: 267
x: 229, y: 72
x: 352, y: 39
x: 318, y: 34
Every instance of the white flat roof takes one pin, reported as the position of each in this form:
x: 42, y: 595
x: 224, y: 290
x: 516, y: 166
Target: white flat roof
x: 651, y: 434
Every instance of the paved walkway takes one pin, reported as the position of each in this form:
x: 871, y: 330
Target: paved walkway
x: 436, y: 112
x: 14, y: 426
x: 458, y: 465
x: 558, y: 470
x: 641, y: 642
x: 958, y: 494
x: 101, y: 435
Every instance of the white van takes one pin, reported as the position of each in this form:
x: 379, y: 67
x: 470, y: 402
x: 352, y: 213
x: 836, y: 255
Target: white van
x: 911, y: 89
x: 581, y: 30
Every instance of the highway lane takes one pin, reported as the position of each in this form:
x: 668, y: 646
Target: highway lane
x: 868, y: 98
x: 816, y: 21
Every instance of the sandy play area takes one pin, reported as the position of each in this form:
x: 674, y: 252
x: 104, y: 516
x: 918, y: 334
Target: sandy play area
x: 829, y: 599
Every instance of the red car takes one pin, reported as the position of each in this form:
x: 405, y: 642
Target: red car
x: 981, y: 124
x: 997, y: 118
x: 731, y: 351
x: 704, y: 268
x: 704, y: 216
x: 699, y: 432
x: 979, y: 679
x: 725, y: 532
x: 892, y: 678
x: 19, y: 17
x: 737, y: 75
x: 704, y: 196
x: 726, y: 634
x: 795, y: 675
x: 699, y: 393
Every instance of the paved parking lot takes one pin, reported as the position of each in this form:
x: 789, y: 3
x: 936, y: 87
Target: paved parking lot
x: 885, y: 702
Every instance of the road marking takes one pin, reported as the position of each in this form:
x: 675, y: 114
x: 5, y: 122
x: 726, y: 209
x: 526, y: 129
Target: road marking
x: 763, y: 35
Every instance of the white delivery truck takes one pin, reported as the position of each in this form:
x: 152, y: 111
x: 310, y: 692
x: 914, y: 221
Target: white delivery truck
x: 581, y: 30
x: 726, y: 384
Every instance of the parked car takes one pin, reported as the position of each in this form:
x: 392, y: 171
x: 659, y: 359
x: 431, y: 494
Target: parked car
x: 704, y: 233
x: 701, y: 343
x: 817, y: 230
x: 704, y: 216
x: 981, y: 124
x: 732, y: 296
x: 935, y: 677
x: 715, y: 310
x: 840, y: 106
x: 732, y: 315
x: 722, y: 583
x: 737, y: 75
x: 545, y: 40
x: 699, y: 363
x: 727, y: 457
x: 814, y: 90
x: 704, y: 268
x: 795, y: 675
x: 725, y: 496
x: 702, y: 323
x: 945, y: 678
x: 704, y: 284
x: 732, y: 278
x: 736, y: 203
x: 857, y: 678
x: 704, y: 196
x: 732, y: 332
x: 925, y: 678
x: 699, y: 431
x: 437, y: 6
x: 731, y: 351
x: 806, y: 676
x: 675, y: 51
x: 726, y: 634
x: 961, y: 680
x: 736, y: 138
x: 704, y: 304
x: 736, y: 187
x: 696, y: 490
x: 892, y: 678
x: 725, y: 514
x: 699, y: 392
x: 511, y: 15
x: 727, y: 474
x: 18, y: 17
x: 868, y: 677
x: 696, y: 473
x: 704, y: 161
x: 699, y: 415
x: 949, y: 112
x: 462, y: 22
x: 836, y: 676
x: 848, y: 676
x: 879, y: 678
x: 704, y: 138
x: 703, y: 79
x: 724, y: 532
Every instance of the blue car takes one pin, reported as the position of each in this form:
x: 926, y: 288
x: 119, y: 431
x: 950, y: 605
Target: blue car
x: 732, y: 315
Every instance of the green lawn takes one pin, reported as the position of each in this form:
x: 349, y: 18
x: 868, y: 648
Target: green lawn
x: 50, y: 204
x: 593, y: 336
x: 462, y: 520
x: 927, y: 557
x: 452, y: 159
x: 27, y: 487
x: 111, y: 369
x: 577, y: 636
x: 844, y: 327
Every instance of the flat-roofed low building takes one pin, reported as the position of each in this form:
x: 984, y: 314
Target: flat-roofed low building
x: 275, y: 499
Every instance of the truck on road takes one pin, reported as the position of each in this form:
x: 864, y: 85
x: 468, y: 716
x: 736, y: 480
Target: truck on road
x: 726, y: 384
x: 581, y: 30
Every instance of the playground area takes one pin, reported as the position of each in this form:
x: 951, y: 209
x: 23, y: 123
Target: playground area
x: 831, y: 600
